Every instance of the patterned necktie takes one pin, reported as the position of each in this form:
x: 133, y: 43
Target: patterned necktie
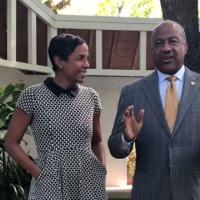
x: 171, y: 103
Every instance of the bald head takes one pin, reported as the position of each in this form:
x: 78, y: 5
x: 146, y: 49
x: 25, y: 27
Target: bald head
x: 169, y: 47
x: 169, y: 23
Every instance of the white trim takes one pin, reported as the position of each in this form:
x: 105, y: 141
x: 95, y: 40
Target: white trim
x: 91, y: 72
x: 110, y: 72
x: 125, y: 188
x: 143, y: 50
x: 11, y: 29
x: 105, y: 23
x: 51, y: 32
x: 123, y: 192
x: 99, y: 56
x: 41, y: 10
x: 32, y: 38
x: 100, y: 19
x: 25, y: 66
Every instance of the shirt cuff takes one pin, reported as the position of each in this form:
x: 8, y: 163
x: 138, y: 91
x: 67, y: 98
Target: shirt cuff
x: 125, y: 142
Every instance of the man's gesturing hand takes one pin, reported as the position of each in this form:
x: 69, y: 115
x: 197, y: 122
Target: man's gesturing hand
x: 132, y: 123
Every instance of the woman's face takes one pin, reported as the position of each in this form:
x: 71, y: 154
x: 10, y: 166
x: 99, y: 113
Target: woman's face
x: 75, y: 68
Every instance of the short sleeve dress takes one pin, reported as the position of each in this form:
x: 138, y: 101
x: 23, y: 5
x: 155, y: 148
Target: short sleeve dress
x: 62, y: 125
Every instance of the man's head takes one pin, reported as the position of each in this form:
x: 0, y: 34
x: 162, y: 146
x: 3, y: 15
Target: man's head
x: 169, y: 47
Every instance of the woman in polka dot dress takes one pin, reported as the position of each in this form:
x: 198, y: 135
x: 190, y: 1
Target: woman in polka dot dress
x: 65, y: 119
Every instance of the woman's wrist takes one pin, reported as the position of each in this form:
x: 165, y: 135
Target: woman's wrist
x: 40, y: 175
x: 36, y: 172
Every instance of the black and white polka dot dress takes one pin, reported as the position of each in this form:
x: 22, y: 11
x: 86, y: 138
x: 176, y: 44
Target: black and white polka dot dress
x: 62, y: 124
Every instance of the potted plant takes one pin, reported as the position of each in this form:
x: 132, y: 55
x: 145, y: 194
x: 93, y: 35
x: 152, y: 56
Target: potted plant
x: 14, y: 181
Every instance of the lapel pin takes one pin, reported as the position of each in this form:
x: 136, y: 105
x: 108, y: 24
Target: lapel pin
x: 192, y: 83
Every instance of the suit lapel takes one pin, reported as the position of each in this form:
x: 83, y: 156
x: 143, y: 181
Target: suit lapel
x: 151, y: 90
x: 189, y: 90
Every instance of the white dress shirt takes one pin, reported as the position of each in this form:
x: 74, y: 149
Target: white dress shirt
x: 163, y: 84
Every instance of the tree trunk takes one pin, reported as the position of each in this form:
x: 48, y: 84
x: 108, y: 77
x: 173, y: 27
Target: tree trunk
x: 185, y: 12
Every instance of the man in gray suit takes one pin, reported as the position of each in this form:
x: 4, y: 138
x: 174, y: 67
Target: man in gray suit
x: 168, y: 160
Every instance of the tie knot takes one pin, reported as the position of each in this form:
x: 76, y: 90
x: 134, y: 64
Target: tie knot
x: 171, y: 78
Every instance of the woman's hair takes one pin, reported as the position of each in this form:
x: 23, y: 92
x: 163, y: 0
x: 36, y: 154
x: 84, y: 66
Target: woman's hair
x: 62, y: 46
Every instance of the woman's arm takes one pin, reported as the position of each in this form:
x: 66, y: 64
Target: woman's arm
x: 16, y: 130
x: 97, y: 143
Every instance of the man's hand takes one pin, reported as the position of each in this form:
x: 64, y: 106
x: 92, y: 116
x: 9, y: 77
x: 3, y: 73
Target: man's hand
x: 132, y: 123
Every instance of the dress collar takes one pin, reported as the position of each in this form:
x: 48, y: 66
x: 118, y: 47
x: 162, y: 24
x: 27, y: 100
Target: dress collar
x: 57, y: 90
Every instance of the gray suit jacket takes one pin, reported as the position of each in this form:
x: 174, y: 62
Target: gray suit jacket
x: 167, y: 165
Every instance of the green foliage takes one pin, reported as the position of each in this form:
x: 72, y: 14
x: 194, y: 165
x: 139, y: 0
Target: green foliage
x: 136, y: 8
x: 14, y: 181
x: 110, y: 7
x: 8, y: 99
x: 145, y: 8
x: 56, y: 6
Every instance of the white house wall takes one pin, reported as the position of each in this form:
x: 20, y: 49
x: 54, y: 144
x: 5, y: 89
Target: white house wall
x: 9, y: 75
x: 109, y: 90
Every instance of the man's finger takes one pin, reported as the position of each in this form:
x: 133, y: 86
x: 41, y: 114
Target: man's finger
x: 140, y: 115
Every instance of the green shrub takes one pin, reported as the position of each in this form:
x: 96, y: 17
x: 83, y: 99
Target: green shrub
x: 14, y: 181
x: 8, y: 98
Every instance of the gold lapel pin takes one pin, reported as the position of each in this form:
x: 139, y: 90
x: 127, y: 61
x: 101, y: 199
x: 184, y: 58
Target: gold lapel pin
x: 192, y: 83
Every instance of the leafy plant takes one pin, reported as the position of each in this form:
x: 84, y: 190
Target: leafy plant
x: 8, y: 99
x: 14, y: 181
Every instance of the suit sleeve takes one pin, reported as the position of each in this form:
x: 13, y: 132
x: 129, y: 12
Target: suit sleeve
x: 117, y: 146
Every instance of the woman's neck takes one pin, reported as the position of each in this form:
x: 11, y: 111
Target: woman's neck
x: 62, y: 82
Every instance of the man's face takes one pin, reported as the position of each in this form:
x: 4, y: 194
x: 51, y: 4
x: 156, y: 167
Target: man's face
x: 75, y: 68
x: 169, y: 48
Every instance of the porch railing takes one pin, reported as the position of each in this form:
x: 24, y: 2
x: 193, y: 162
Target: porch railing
x: 55, y: 23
